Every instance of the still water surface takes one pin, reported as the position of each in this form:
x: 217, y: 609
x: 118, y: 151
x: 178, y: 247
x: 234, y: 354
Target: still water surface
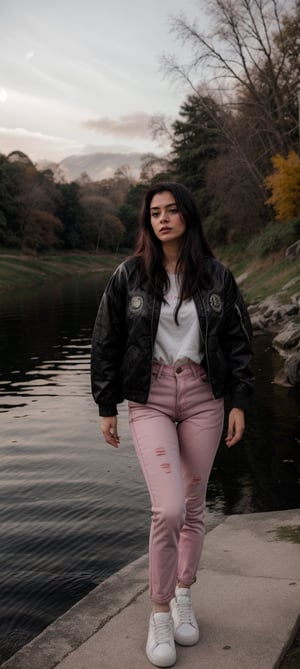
x: 72, y: 510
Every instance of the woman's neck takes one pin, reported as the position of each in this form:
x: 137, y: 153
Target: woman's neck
x: 171, y: 256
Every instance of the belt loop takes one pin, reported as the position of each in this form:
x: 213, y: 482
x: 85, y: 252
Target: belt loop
x: 160, y: 369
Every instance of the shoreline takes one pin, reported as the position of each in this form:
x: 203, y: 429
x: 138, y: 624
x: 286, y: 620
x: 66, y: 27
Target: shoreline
x: 24, y: 271
x: 276, y: 313
x: 259, y: 279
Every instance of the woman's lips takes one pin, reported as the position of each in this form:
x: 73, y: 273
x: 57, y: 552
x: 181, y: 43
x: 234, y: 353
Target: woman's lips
x: 165, y: 229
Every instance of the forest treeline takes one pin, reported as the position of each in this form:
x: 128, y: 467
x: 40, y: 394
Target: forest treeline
x: 235, y: 144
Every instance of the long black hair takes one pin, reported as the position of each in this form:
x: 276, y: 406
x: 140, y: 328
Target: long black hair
x: 194, y: 247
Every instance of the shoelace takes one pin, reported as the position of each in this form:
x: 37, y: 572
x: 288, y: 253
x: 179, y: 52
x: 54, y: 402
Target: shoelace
x: 185, y: 609
x: 163, y: 631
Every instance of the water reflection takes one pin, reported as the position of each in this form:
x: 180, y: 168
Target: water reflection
x: 74, y: 511
x: 263, y: 474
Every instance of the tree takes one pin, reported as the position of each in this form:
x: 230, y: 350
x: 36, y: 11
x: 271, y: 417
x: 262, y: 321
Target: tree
x: 103, y: 229
x: 115, y: 188
x: 250, y: 58
x: 238, y: 208
x: 20, y: 158
x: 111, y: 233
x: 70, y: 212
x: 8, y: 209
x: 124, y: 173
x: 197, y: 141
x: 83, y: 179
x: 154, y: 168
x: 41, y: 231
x: 34, y: 196
x: 38, y: 213
x: 129, y: 213
x: 284, y: 184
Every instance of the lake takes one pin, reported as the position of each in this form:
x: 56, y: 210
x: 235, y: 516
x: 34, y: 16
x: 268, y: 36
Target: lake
x: 73, y: 510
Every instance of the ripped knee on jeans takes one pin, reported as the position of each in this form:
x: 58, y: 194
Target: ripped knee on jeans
x: 166, y: 466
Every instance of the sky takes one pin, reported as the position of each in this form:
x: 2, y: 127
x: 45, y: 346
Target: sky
x: 80, y: 76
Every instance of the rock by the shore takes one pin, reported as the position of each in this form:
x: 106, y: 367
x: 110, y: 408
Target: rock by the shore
x: 288, y: 337
x: 287, y: 344
x: 270, y: 315
x: 292, y: 368
x: 296, y: 299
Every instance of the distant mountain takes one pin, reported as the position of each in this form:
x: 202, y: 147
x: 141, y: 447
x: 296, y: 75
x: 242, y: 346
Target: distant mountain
x: 101, y: 165
x: 97, y: 165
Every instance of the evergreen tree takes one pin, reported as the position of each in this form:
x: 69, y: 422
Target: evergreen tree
x: 196, y: 142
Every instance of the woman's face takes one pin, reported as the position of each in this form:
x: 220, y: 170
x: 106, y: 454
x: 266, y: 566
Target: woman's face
x: 167, y: 223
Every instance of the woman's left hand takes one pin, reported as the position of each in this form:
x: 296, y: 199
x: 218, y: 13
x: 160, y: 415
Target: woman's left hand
x: 236, y: 427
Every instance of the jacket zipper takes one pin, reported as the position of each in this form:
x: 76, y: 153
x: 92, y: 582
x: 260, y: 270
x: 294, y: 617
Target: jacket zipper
x: 152, y: 327
x: 152, y: 321
x: 237, y: 308
x: 206, y: 331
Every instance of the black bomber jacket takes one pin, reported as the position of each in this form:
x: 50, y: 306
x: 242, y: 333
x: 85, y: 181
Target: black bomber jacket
x: 125, y: 330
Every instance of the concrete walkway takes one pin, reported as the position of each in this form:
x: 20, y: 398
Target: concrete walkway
x: 246, y: 598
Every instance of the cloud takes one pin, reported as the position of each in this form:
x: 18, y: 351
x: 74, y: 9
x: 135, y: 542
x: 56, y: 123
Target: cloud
x: 29, y: 55
x: 3, y: 95
x: 36, y: 144
x: 128, y: 125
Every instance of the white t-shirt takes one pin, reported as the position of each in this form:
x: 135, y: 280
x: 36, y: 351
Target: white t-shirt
x: 178, y: 343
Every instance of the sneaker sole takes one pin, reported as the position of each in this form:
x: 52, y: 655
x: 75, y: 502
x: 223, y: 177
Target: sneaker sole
x: 159, y: 663
x: 185, y: 642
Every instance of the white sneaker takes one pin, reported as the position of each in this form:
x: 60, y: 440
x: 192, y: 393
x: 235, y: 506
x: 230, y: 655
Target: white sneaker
x: 160, y: 648
x: 186, y: 630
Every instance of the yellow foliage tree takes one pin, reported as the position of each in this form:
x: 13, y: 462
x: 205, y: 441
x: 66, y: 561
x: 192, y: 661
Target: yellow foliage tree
x: 284, y: 184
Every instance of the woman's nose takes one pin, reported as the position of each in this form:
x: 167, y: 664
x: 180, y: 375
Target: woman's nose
x: 163, y: 215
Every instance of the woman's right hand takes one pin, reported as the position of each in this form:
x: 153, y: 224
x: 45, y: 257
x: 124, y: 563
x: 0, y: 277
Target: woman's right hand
x: 110, y: 430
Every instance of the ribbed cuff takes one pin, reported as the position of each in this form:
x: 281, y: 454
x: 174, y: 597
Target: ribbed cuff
x: 108, y: 410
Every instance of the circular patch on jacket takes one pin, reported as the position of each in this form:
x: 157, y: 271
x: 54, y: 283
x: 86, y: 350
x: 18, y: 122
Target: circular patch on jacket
x: 136, y: 303
x: 216, y: 302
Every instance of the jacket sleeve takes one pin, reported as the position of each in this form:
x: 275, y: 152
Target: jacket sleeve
x: 108, y: 344
x: 237, y: 345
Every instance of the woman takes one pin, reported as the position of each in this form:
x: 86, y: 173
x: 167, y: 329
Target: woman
x: 172, y: 335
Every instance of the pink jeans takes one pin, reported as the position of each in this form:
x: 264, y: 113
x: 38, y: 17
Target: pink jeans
x: 176, y: 436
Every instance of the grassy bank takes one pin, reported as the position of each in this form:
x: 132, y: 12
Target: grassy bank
x: 266, y: 276
x: 17, y: 270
